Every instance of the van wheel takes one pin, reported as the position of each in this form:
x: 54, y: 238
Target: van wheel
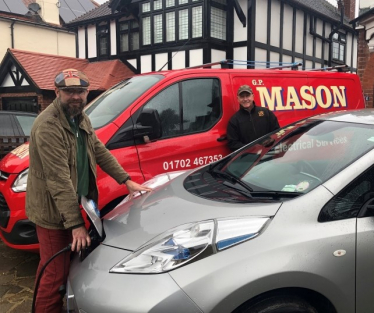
x: 277, y: 304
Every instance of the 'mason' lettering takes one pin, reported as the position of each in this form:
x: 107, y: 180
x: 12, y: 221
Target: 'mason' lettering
x: 306, y: 98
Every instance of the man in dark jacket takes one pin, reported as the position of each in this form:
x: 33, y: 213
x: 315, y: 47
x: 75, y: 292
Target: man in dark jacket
x: 63, y: 152
x: 250, y: 122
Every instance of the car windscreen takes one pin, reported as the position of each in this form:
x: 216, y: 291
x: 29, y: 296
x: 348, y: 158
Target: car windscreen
x: 289, y: 162
x: 113, y: 102
x: 25, y: 121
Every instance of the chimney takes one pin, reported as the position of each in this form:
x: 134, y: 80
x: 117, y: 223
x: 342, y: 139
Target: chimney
x: 349, y: 8
x: 49, y: 11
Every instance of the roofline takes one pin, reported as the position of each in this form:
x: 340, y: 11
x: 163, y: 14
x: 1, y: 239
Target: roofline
x: 12, y: 19
x: 297, y: 4
x: 366, y: 14
x: 114, y: 15
x: 93, y: 20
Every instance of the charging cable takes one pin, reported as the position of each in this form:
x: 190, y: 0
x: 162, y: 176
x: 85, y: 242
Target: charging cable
x: 62, y: 288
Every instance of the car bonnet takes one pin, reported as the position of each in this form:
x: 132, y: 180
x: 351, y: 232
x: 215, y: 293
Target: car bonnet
x: 133, y: 223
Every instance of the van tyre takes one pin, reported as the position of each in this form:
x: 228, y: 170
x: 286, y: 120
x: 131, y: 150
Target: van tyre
x: 277, y: 304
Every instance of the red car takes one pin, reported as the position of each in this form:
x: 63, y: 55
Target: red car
x: 175, y: 120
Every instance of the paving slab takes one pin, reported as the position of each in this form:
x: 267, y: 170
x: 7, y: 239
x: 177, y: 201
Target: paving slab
x: 17, y: 277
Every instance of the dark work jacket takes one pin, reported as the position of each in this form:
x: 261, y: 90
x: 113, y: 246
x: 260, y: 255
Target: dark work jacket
x: 247, y: 126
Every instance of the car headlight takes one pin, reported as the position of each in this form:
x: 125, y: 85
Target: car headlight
x: 187, y: 243
x: 20, y: 183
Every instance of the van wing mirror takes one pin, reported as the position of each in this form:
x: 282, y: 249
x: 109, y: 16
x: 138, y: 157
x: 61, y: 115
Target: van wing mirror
x: 148, y: 125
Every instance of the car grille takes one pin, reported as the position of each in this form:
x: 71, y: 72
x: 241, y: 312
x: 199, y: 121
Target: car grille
x: 4, y: 212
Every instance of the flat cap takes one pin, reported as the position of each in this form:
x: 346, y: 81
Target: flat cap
x: 245, y: 88
x: 71, y: 78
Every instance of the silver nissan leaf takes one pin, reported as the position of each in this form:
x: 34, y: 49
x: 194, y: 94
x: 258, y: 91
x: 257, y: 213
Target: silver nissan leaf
x: 285, y: 224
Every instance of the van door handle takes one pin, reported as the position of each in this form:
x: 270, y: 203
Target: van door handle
x: 222, y: 138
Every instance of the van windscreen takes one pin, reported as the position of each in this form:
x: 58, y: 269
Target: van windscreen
x: 113, y: 102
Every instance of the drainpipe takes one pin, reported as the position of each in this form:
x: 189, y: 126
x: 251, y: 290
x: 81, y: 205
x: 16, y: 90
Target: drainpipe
x: 12, y: 32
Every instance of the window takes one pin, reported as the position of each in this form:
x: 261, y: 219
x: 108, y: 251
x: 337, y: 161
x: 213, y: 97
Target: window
x: 217, y: 23
x: 170, y: 26
x: 188, y: 107
x: 103, y: 39
x: 157, y: 4
x: 147, y: 30
x: 157, y: 22
x: 348, y: 202
x: 128, y: 35
x: 162, y: 18
x: 338, y: 47
x: 183, y: 24
x: 197, y: 22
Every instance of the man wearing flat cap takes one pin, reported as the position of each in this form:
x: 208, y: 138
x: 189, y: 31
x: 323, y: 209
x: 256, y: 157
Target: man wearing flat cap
x: 64, y: 152
x: 250, y: 122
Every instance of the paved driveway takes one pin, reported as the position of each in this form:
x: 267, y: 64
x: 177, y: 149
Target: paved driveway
x: 17, y: 276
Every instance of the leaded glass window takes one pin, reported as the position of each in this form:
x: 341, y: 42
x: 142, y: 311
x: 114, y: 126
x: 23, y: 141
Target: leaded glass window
x: 218, y: 23
x: 183, y: 24
x: 170, y: 26
x: 157, y: 27
x: 197, y: 22
x: 147, y: 30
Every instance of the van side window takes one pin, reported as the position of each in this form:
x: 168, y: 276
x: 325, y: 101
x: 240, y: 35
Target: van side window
x: 167, y: 105
x: 348, y: 202
x: 188, y: 107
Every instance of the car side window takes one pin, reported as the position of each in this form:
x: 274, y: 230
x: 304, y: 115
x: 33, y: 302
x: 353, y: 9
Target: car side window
x: 348, y: 202
x: 189, y: 106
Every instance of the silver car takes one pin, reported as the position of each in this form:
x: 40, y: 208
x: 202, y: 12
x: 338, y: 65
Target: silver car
x: 285, y: 224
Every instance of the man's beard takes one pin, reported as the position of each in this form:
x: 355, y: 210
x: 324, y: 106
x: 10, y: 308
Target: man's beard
x: 71, y: 109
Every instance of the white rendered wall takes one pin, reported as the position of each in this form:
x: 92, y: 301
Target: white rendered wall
x: 275, y: 22
x: 240, y: 54
x: 81, y: 43
x: 91, y: 40
x: 146, y: 63
x: 261, y: 21
x: 240, y: 32
x: 179, y: 60
x: 218, y: 55
x: 196, y: 57
x: 113, y: 38
x: 161, y: 59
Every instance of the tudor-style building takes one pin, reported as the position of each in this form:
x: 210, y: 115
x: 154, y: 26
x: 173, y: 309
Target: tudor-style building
x: 170, y: 34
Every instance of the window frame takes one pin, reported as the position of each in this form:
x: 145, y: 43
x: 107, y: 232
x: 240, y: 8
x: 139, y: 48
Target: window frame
x: 339, y: 40
x: 182, y: 131
x: 224, y: 8
x: 163, y: 11
x: 130, y: 31
x: 103, y: 32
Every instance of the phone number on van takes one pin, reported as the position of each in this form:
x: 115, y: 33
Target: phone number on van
x: 186, y: 163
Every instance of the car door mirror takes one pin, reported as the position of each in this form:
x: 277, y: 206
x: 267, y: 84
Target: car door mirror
x: 148, y: 125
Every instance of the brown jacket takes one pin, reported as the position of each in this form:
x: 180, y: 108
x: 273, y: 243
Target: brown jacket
x: 51, y: 197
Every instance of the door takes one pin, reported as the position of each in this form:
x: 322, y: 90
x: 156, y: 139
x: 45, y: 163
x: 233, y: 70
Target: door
x: 356, y: 200
x: 192, y: 128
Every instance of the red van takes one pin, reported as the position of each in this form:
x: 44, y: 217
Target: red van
x: 175, y: 120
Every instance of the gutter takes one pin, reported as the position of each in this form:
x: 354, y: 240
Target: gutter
x: 14, y: 20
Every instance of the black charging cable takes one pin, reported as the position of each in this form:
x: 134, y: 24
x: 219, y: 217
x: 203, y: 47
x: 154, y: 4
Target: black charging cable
x: 68, y: 248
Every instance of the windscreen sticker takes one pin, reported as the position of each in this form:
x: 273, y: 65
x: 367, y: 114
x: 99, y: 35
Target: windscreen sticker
x: 371, y: 139
x: 304, y: 185
x: 21, y: 151
x: 290, y: 188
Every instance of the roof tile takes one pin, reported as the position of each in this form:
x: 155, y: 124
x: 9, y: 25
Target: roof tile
x: 42, y: 69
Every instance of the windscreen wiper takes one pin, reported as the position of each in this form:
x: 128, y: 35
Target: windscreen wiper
x: 276, y: 194
x: 231, y: 178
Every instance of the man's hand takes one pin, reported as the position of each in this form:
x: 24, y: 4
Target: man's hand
x: 81, y: 239
x: 133, y: 186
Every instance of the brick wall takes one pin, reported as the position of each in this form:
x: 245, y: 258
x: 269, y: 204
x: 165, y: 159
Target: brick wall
x: 365, y: 69
x: 43, y: 99
x: 349, y: 8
